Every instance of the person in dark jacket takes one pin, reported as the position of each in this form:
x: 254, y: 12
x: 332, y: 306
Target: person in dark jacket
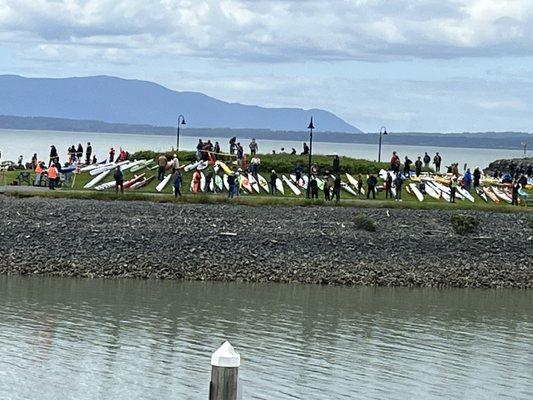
x: 273, y: 180
x: 371, y: 183
x: 407, y: 166
x: 119, y: 180
x: 313, y: 187
x: 88, y: 153
x: 306, y: 150
x: 437, y: 160
x: 336, y: 164
x: 477, y: 177
x: 418, y: 166
x: 388, y: 186
x: 298, y: 172
x: 327, y: 188
x: 177, y: 182
x: 427, y: 159
x: 515, y: 188
x: 79, y: 152
x: 359, y: 185
x: 54, y: 158
x: 232, y: 181
x: 398, y: 183
x: 337, y: 188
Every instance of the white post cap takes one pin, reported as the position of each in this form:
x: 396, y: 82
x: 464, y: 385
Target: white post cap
x: 226, y: 356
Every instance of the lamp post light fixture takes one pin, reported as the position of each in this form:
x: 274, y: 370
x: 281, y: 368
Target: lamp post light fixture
x: 181, y: 121
x: 382, y: 131
x: 310, y: 127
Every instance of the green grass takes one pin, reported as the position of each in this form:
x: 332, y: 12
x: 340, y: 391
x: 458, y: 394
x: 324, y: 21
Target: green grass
x: 284, y: 164
x: 463, y: 224
x: 364, y: 222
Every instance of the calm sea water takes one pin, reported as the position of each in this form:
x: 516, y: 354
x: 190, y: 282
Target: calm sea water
x: 16, y: 142
x: 127, y: 339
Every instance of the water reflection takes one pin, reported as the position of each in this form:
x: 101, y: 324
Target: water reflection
x: 86, y: 339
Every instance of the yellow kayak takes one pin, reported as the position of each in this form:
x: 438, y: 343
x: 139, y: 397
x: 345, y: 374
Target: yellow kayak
x: 224, y: 167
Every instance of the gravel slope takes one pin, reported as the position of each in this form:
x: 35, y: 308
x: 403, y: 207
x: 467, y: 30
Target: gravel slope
x: 313, y: 245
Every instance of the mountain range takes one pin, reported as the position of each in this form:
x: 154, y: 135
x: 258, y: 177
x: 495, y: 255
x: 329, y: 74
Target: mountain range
x: 117, y: 100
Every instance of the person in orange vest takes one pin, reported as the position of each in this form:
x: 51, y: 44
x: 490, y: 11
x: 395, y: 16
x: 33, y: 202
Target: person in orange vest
x: 196, y: 181
x: 39, y: 169
x: 52, y: 176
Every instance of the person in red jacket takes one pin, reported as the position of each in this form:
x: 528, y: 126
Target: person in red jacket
x: 196, y: 178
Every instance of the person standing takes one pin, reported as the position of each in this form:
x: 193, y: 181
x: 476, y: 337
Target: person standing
x: 79, y: 153
x: 336, y: 164
x: 388, y: 186
x: 54, y: 158
x: 437, y: 160
x: 337, y: 188
x: 273, y: 180
x: 467, y: 180
x: 175, y: 163
x: 514, y: 192
x: 453, y: 189
x: 418, y: 167
x: 52, y: 176
x: 119, y: 180
x: 240, y: 154
x: 371, y: 183
x: 427, y: 160
x: 253, y: 147
x: 255, y: 162
x: 398, y: 183
x: 395, y: 163
x: 477, y: 178
x: 196, y: 178
x: 327, y: 188
x: 176, y: 182
x: 407, y: 167
x: 162, y: 165
x: 231, y: 185
x: 306, y: 149
x: 313, y: 188
x: 39, y: 169
x: 88, y: 153
x: 298, y: 172
x: 111, y: 155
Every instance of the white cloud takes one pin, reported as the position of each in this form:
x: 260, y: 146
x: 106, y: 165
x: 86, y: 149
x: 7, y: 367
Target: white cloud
x: 276, y: 29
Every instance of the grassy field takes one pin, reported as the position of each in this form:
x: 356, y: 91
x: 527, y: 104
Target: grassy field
x: 283, y: 164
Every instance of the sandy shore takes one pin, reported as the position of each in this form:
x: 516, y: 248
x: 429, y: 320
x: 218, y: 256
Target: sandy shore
x: 85, y: 238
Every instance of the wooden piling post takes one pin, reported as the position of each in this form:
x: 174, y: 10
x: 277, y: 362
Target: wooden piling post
x: 225, y: 364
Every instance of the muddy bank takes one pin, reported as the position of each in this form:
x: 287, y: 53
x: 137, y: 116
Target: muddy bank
x: 84, y: 238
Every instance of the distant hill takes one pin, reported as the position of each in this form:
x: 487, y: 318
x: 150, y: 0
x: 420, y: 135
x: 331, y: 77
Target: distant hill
x: 488, y: 140
x: 116, y: 100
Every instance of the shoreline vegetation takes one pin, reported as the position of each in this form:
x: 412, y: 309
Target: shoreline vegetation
x: 485, y: 140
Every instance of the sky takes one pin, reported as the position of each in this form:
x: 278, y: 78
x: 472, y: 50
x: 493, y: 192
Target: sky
x: 409, y: 65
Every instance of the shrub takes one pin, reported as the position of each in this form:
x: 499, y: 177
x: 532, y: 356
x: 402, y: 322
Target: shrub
x: 364, y: 222
x: 463, y: 224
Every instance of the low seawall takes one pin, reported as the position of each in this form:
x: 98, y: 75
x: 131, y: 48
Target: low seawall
x: 85, y: 238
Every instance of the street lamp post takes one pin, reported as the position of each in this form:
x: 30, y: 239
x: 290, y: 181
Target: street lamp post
x: 181, y: 121
x: 382, y: 131
x: 310, y: 127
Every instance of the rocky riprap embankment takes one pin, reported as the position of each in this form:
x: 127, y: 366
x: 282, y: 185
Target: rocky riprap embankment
x: 502, y: 166
x: 84, y: 238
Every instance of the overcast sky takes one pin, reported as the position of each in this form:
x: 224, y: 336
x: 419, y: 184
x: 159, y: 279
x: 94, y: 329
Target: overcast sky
x: 411, y: 65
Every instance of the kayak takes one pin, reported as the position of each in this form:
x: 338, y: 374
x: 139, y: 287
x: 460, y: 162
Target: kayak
x: 163, y: 183
x: 245, y: 183
x: 491, y: 195
x: 465, y: 193
x: 253, y: 182
x: 90, y: 167
x: 302, y: 183
x: 225, y: 181
x: 263, y: 183
x: 141, y: 166
x: 132, y: 181
x: 416, y: 192
x: 192, y: 166
x: 142, y: 183
x: 279, y: 186
x: 346, y: 187
x: 107, y: 185
x: 203, y: 165
x: 501, y: 195
x: 291, y: 186
x: 224, y: 167
x: 351, y: 180
x: 202, y: 183
x: 320, y: 183
x: 482, y: 194
x: 445, y: 194
x: 97, y: 179
x: 219, y: 182
x: 133, y: 164
x: 108, y: 167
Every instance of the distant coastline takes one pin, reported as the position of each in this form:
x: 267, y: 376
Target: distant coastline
x: 481, y: 140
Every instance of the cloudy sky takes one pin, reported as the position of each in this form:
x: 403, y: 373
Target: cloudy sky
x: 411, y: 65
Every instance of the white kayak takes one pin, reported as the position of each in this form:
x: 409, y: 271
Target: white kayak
x: 253, y: 183
x: 202, y: 183
x: 97, y: 179
x: 291, y: 186
x: 107, y: 185
x: 203, y: 165
x: 465, y: 193
x: 431, y: 191
x: 501, y: 195
x: 302, y: 182
x: 108, y: 167
x: 263, y: 183
x: 351, y: 180
x: 88, y: 168
x: 279, y: 186
x: 142, y: 165
x: 416, y: 192
x: 192, y: 166
x: 346, y: 187
x: 163, y: 183
x: 225, y: 181
x: 132, y: 164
